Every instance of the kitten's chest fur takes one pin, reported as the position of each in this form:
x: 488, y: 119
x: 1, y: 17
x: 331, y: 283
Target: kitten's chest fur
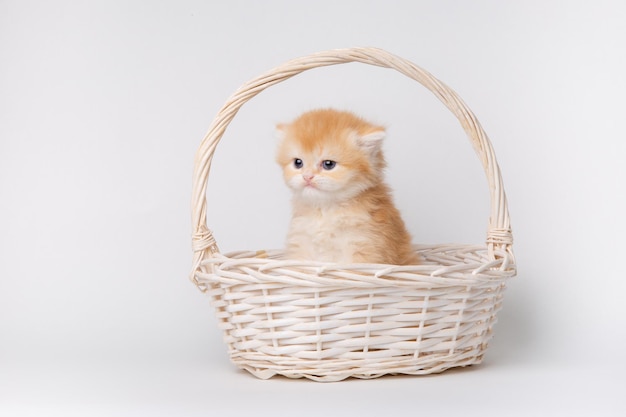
x: 328, y: 234
x: 367, y: 229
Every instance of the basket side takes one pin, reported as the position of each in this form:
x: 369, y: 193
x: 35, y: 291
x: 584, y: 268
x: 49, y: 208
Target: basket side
x: 331, y: 327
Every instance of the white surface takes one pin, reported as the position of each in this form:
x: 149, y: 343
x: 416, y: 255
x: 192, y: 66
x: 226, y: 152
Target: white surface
x: 102, y: 106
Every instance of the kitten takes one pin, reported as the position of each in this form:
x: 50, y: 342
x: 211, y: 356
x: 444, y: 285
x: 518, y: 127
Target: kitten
x: 342, y: 210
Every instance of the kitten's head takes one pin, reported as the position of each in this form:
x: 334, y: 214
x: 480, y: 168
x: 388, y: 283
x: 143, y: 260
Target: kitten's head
x: 330, y: 156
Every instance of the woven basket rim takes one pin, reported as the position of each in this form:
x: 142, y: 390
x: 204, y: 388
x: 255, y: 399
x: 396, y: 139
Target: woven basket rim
x: 271, y: 267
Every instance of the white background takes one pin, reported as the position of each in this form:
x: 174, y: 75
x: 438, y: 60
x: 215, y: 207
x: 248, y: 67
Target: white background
x: 103, y: 103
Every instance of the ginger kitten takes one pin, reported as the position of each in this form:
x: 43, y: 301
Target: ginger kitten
x: 342, y: 210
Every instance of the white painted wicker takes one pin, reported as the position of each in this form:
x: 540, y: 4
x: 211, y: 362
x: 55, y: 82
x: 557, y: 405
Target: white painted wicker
x: 328, y: 322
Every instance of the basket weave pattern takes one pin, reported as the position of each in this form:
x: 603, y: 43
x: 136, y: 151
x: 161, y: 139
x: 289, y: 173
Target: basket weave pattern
x: 328, y: 322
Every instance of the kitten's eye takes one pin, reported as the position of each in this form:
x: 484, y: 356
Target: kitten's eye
x: 298, y: 163
x: 328, y: 165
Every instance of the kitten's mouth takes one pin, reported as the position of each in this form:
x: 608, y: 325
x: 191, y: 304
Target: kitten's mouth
x: 310, y: 184
x: 310, y: 189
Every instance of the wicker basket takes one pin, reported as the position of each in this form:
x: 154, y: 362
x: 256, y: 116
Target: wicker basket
x: 328, y: 322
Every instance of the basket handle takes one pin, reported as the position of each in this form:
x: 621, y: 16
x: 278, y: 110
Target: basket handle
x: 499, y: 236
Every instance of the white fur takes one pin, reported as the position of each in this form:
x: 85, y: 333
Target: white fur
x: 327, y: 234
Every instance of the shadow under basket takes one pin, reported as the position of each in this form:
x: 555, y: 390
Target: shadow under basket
x: 328, y: 322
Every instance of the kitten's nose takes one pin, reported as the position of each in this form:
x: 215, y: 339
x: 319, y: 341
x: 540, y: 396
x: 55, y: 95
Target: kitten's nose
x: 308, y: 177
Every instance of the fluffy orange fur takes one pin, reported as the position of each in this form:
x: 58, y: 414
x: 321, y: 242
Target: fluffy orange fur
x: 342, y: 209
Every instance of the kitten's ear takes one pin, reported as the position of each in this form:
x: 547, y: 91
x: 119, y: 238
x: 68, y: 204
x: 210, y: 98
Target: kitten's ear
x: 371, y: 141
x: 281, y: 131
